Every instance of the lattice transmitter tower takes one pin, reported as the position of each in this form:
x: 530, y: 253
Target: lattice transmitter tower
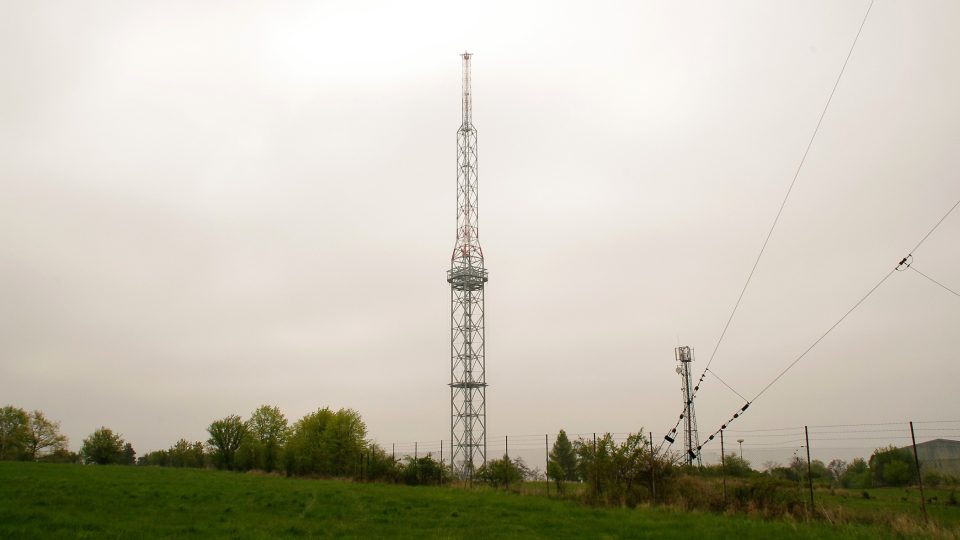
x: 467, y: 276
x: 691, y: 440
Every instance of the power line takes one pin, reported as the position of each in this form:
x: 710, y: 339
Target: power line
x: 793, y: 182
x: 902, y: 265
x: 817, y: 342
x: 776, y: 219
x: 714, y: 373
x: 948, y: 289
x: 924, y: 239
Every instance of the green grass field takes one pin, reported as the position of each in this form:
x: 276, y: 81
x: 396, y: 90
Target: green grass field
x: 904, y: 501
x: 73, y: 501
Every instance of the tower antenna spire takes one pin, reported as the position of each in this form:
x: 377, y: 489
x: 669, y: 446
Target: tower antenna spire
x: 467, y: 276
x: 467, y: 102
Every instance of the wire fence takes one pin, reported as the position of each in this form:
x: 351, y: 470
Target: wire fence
x: 938, y: 444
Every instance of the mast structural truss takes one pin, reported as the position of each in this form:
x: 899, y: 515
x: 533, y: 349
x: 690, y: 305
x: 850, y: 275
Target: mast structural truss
x: 691, y: 441
x: 467, y: 277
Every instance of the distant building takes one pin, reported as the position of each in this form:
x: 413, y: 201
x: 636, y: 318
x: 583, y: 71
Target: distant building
x: 940, y: 455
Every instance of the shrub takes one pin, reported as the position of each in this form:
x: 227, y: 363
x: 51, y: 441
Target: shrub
x: 503, y: 472
x: 857, y: 475
x: 621, y: 473
x: 423, y: 471
x: 768, y: 496
x: 932, y: 479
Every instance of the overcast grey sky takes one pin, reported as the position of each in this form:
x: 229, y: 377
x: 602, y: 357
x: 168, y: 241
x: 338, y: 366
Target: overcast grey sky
x: 205, y: 207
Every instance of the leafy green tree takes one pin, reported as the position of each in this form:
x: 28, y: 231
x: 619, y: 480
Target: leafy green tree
x: 892, y: 466
x: 799, y: 467
x: 306, y: 449
x: 61, y: 455
x: 326, y: 443
x: 820, y: 472
x: 14, y: 433
x: 838, y: 468
x: 621, y: 473
x: 379, y: 465
x: 555, y: 471
x: 267, y: 434
x: 784, y: 473
x: 857, y: 475
x: 157, y: 458
x: 423, y: 471
x: 798, y: 471
x: 182, y: 454
x: 502, y: 472
x: 103, y: 447
x: 629, y: 476
x: 563, y: 460
x: 44, y: 437
x: 346, y: 440
x: 129, y: 455
x: 226, y: 435
x: 737, y: 466
x: 595, y: 461
x: 178, y: 455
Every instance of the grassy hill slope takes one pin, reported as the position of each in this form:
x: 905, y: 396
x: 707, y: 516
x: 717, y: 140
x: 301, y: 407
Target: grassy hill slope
x: 71, y: 501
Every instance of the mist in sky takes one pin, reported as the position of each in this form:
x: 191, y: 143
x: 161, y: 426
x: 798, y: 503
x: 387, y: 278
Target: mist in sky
x: 205, y: 207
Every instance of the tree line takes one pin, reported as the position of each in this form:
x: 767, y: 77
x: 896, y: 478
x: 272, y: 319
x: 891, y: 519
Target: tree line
x: 323, y: 443
x: 328, y: 443
x: 31, y: 436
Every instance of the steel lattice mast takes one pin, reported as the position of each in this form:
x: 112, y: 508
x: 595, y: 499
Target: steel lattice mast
x: 467, y: 275
x: 691, y: 441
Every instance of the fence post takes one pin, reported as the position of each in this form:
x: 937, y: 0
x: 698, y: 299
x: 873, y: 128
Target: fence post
x: 723, y: 468
x: 916, y: 459
x: 506, y: 455
x: 393, y: 451
x: 806, y: 433
x: 596, y: 468
x: 416, y: 461
x: 653, y: 468
x: 546, y: 464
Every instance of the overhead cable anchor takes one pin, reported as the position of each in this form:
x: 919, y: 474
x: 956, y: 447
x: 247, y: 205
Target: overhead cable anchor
x: 905, y: 263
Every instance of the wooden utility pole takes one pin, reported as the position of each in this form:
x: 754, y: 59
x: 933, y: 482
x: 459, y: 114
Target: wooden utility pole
x: 916, y: 459
x: 723, y: 468
x: 546, y: 466
x: 806, y: 433
x: 653, y: 468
